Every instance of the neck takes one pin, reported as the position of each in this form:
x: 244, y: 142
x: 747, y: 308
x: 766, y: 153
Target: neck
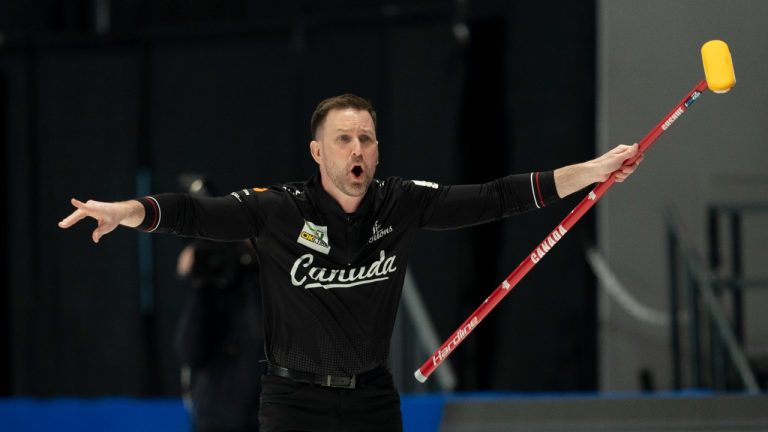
x: 348, y: 204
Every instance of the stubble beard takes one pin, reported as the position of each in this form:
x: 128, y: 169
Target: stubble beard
x: 340, y: 177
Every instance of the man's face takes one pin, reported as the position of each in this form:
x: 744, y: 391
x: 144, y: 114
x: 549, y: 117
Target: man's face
x: 346, y: 150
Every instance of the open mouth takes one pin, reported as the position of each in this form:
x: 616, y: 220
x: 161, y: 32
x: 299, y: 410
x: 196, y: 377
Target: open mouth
x: 357, y: 171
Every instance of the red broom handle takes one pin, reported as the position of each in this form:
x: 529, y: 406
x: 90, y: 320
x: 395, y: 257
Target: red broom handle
x: 550, y: 241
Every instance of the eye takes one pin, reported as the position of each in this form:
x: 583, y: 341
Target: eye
x: 344, y: 138
x: 366, y: 139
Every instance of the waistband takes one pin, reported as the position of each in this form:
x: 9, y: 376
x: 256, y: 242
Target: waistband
x: 347, y: 382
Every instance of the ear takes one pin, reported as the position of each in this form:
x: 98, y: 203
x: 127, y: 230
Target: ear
x: 314, y: 149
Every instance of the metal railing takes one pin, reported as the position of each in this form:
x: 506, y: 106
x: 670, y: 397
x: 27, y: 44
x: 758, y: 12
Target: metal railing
x: 708, y: 324
x: 414, y: 337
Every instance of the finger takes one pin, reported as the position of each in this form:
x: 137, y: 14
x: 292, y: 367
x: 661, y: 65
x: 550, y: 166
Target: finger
x: 619, y: 149
x: 102, y: 230
x: 76, y: 215
x: 72, y: 219
x: 629, y: 168
x: 634, y: 164
x: 632, y: 149
x: 623, y: 173
x: 622, y: 153
x: 98, y: 233
x: 624, y: 148
x: 631, y: 156
x: 77, y: 203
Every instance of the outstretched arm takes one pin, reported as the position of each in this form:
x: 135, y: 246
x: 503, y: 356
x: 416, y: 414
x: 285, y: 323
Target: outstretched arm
x: 573, y: 178
x: 450, y: 207
x: 108, y: 215
x: 227, y: 218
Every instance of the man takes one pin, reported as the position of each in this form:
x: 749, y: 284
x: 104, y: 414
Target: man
x: 219, y: 336
x: 333, y: 252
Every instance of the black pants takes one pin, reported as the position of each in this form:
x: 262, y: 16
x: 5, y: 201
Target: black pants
x: 287, y: 405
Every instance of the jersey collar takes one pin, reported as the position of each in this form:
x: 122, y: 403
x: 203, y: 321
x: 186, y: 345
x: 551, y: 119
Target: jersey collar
x: 329, y: 205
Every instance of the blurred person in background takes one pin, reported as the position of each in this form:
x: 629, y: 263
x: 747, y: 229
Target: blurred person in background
x: 220, y: 334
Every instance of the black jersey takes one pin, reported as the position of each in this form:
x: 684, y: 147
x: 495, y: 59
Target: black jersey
x: 331, y: 281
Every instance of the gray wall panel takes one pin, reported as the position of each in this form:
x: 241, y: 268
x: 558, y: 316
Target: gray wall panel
x: 648, y: 60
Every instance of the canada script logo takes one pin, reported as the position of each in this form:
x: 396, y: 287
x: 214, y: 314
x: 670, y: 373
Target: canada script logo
x: 315, y: 237
x: 303, y: 273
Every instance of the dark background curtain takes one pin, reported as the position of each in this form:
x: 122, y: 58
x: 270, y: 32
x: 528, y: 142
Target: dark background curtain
x: 226, y: 88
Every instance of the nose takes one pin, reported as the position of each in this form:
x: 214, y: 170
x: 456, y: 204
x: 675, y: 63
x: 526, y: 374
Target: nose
x: 357, y: 148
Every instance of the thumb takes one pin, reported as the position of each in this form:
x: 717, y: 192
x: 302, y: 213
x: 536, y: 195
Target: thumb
x: 626, y: 150
x: 101, y: 230
x: 632, y: 153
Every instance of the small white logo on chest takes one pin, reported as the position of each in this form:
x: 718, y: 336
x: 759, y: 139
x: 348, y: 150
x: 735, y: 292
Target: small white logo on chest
x: 378, y: 232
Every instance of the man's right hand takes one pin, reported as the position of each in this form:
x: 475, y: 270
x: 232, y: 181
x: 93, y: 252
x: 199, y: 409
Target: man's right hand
x: 108, y: 215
